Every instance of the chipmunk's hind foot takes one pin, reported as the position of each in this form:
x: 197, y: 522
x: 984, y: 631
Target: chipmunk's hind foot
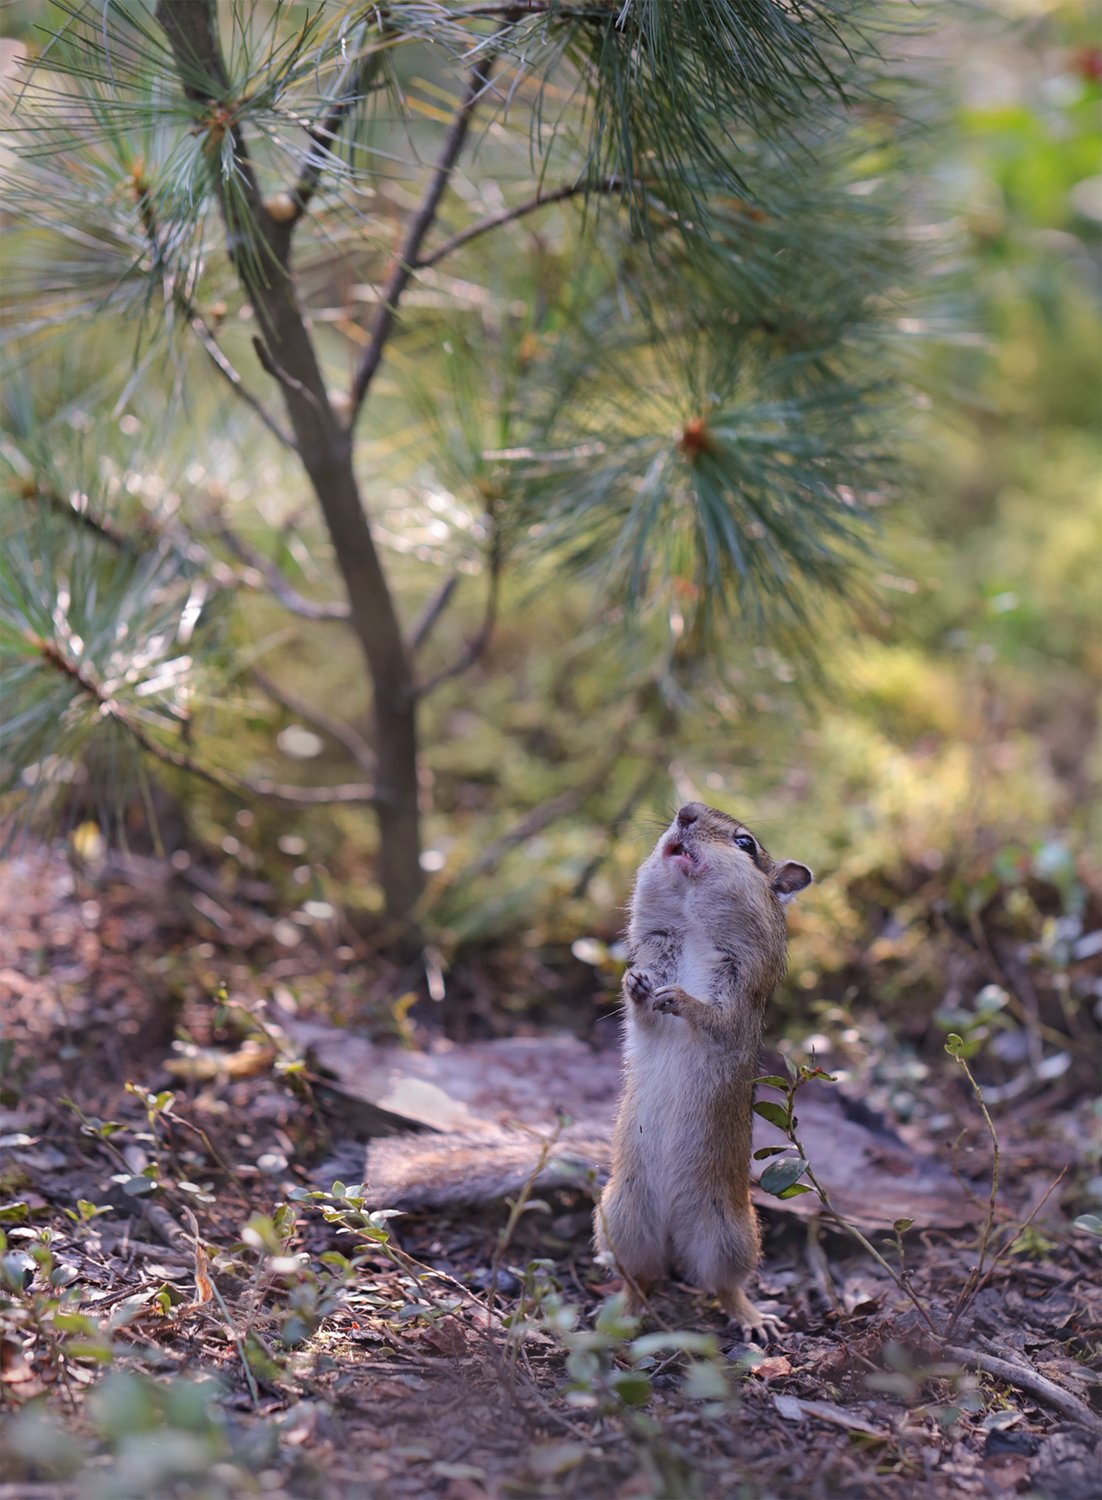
x: 762, y: 1327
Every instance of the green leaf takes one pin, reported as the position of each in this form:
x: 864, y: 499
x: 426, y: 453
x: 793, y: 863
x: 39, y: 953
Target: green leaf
x: 632, y: 1387
x: 781, y: 1175
x: 704, y: 1381
x: 770, y: 1080
x: 954, y: 1045
x: 74, y: 1323
x: 682, y: 1342
x: 795, y: 1190
x: 548, y: 1460
x: 1092, y: 1223
x: 776, y: 1114
x: 902, y: 1225
x: 767, y: 1151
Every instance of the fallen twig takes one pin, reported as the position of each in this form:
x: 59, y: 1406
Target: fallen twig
x: 1025, y: 1378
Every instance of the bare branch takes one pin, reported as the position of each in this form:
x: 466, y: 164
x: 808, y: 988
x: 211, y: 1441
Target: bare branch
x: 541, y: 817
x: 336, y: 729
x: 431, y: 613
x: 284, y: 591
x: 478, y: 643
x: 228, y: 372
x: 509, y: 215
x: 420, y: 222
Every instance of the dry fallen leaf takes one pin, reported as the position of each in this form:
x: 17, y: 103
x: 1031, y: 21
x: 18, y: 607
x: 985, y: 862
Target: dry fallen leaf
x: 205, y: 1063
x: 795, y: 1409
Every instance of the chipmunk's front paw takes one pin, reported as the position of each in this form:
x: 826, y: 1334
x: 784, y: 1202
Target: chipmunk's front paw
x: 639, y: 987
x: 667, y: 1000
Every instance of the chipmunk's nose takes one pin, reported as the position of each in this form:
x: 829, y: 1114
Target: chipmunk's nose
x: 689, y: 813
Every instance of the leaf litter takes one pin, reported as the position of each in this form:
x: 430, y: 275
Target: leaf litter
x: 189, y: 1329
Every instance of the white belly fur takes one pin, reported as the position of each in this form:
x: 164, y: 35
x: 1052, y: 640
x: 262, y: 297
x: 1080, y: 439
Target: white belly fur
x: 672, y: 1081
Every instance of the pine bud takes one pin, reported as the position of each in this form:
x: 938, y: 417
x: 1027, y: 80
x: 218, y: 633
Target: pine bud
x: 281, y: 207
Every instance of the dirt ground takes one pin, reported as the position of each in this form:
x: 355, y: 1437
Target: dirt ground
x: 184, y: 1335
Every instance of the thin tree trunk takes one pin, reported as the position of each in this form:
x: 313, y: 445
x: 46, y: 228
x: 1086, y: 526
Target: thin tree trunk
x: 260, y: 248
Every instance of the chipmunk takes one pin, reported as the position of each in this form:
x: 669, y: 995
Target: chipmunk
x: 707, y: 946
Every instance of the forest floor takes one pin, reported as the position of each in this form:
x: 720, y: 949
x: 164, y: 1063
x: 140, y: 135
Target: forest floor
x: 180, y: 1319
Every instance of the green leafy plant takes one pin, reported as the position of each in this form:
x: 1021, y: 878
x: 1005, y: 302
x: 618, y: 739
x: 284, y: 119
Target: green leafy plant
x: 783, y: 1175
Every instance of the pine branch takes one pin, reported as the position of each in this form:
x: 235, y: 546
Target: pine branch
x: 509, y: 215
x: 359, y: 76
x: 419, y: 224
x: 223, y: 781
x: 186, y: 308
x: 76, y: 508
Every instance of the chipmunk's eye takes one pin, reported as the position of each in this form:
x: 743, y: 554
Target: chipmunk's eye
x: 744, y: 841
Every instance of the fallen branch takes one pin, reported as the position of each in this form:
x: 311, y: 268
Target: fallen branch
x: 1025, y: 1378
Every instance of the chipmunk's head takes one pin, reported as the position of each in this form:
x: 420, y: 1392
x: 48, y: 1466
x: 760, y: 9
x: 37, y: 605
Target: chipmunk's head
x: 711, y: 850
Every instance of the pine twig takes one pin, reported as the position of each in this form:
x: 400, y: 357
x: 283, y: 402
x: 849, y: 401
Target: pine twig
x: 198, y: 325
x: 320, y: 152
x: 431, y: 613
x: 540, y: 817
x: 616, y: 822
x: 223, y: 781
x: 481, y: 639
x: 336, y: 729
x: 420, y: 222
x: 221, y: 363
x: 281, y: 587
x: 611, y: 184
x: 77, y: 509
x: 281, y: 376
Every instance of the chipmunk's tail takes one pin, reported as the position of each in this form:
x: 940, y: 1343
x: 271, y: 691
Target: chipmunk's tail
x: 414, y: 1172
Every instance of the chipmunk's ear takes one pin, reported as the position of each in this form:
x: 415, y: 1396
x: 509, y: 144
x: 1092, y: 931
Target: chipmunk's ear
x: 789, y: 879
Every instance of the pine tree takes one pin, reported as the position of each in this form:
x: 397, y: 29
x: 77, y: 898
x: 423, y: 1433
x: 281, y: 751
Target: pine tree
x: 619, y: 281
